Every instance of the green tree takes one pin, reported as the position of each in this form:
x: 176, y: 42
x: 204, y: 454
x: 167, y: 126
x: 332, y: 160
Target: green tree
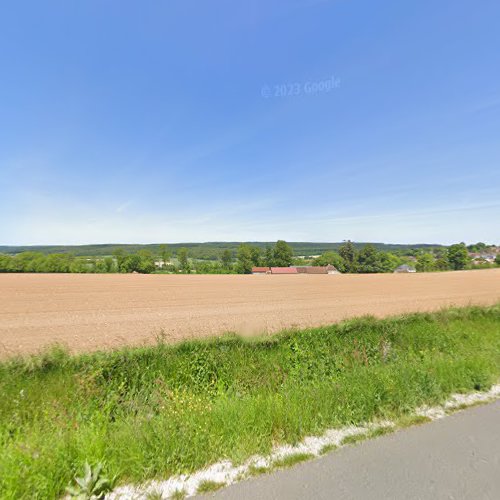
x: 388, y: 262
x: 131, y: 264
x: 348, y: 253
x: 226, y: 259
x: 165, y: 255
x: 99, y: 266
x: 182, y: 257
x: 458, y: 256
x: 256, y: 255
x: 478, y: 247
x: 244, y: 259
x: 29, y: 262
x: 146, y: 262
x: 109, y: 264
x: 497, y: 259
x: 368, y: 260
x: 79, y: 265
x: 57, y: 263
x: 426, y: 262
x: 332, y: 258
x: 442, y: 263
x: 282, y: 254
x: 269, y: 256
x: 120, y: 257
x: 6, y: 263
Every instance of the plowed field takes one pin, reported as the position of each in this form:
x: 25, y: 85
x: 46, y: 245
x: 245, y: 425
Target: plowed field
x: 89, y: 312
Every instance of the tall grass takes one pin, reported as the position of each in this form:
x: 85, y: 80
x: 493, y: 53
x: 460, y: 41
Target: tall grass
x: 156, y: 411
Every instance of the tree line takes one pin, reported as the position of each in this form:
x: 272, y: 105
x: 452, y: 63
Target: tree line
x: 348, y: 259
x: 142, y: 261
x: 370, y: 260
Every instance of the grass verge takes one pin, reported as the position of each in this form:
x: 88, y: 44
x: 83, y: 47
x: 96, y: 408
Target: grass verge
x: 156, y: 411
x: 209, y: 486
x: 291, y: 460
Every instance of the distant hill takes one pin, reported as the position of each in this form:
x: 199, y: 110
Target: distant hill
x: 209, y: 250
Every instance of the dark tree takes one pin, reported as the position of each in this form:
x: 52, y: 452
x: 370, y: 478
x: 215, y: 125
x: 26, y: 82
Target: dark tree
x: 182, y: 257
x: 368, y: 260
x: 164, y: 255
x: 120, y: 257
x: 244, y: 256
x: 348, y: 252
x: 226, y: 259
x: 458, y: 257
x: 282, y: 254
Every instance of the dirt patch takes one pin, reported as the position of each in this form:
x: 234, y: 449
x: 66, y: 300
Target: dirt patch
x: 89, y: 312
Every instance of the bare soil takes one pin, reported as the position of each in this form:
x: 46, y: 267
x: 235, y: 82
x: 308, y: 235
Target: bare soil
x: 101, y: 311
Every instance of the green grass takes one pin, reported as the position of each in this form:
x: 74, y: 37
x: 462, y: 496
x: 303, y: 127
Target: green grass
x: 355, y: 438
x: 152, y: 412
x: 255, y: 470
x: 362, y: 436
x: 156, y: 495
x: 328, y: 448
x: 291, y: 460
x: 381, y: 431
x: 209, y: 486
x: 410, y: 420
x: 178, y: 495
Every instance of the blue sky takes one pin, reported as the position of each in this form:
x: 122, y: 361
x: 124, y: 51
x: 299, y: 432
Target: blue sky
x: 162, y: 121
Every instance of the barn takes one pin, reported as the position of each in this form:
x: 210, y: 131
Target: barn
x: 318, y: 269
x: 284, y: 270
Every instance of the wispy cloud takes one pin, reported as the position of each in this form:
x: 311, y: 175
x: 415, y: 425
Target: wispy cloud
x: 122, y: 207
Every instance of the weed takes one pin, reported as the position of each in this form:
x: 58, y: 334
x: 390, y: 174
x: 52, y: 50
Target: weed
x: 290, y: 460
x: 381, y: 431
x: 91, y: 485
x: 410, y: 420
x: 255, y: 470
x: 209, y: 486
x: 354, y: 438
x: 178, y: 495
x: 328, y: 448
x: 154, y: 495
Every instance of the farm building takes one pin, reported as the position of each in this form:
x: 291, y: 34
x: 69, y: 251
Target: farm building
x: 284, y: 270
x: 318, y: 269
x: 261, y: 270
x: 405, y: 268
x: 296, y: 270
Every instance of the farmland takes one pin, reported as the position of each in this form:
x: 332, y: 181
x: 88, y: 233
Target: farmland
x: 93, y: 312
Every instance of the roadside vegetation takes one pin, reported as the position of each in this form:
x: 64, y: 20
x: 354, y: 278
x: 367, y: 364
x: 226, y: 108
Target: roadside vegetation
x: 348, y: 258
x: 151, y: 412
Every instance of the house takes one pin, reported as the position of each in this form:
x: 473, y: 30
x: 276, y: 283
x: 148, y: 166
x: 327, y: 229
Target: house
x: 261, y: 270
x: 296, y: 270
x: 489, y: 257
x: 318, y: 269
x: 284, y: 270
x: 330, y: 269
x: 160, y: 264
x: 484, y: 257
x: 405, y: 268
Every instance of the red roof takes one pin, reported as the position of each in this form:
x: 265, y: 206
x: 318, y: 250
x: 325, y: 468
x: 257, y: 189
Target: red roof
x: 284, y: 270
x: 261, y: 269
x: 316, y: 269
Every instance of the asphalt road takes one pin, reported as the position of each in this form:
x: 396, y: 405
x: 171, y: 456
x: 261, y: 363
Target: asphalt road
x: 454, y: 458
